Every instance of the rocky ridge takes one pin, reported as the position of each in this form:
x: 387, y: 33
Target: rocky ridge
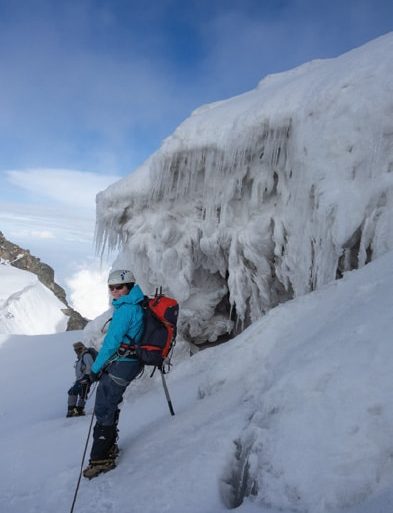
x: 22, y: 259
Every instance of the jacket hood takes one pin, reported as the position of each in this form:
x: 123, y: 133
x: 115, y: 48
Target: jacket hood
x: 134, y: 297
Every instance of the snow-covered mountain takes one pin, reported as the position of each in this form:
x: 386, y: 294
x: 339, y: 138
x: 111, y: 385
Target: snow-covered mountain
x: 22, y: 259
x: 293, y: 415
x: 27, y: 307
x: 265, y: 196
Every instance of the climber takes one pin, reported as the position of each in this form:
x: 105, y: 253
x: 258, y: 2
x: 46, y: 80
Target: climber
x: 115, y: 370
x: 77, y: 394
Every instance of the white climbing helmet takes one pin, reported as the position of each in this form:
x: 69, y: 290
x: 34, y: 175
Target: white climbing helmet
x: 119, y: 277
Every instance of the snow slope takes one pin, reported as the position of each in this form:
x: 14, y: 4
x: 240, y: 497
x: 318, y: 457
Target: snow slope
x: 26, y: 305
x: 297, y: 411
x: 263, y: 197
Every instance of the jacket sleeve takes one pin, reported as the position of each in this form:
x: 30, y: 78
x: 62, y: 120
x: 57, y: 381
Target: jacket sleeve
x: 118, y: 327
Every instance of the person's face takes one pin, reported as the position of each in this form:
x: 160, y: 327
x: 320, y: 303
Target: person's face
x: 118, y: 291
x: 78, y: 351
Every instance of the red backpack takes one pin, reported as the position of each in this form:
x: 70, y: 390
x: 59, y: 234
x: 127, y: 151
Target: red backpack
x: 159, y: 333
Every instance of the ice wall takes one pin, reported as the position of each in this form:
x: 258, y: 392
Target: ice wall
x: 263, y: 197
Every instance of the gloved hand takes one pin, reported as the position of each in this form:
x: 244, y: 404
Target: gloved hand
x: 85, y: 379
x: 94, y: 376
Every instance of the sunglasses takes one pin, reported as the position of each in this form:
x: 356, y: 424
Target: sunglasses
x: 116, y: 287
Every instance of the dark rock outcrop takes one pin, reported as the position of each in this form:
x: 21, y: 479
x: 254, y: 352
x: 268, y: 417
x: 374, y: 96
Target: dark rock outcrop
x: 22, y: 259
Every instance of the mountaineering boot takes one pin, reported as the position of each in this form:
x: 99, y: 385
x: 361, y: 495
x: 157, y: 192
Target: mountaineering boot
x: 104, y: 437
x: 113, y: 452
x: 81, y: 410
x: 72, y: 412
x: 97, y: 467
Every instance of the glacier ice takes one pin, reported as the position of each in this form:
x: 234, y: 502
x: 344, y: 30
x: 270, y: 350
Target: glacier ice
x: 263, y: 197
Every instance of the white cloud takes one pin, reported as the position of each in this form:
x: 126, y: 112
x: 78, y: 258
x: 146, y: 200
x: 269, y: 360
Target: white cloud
x: 89, y: 291
x: 44, y: 234
x: 52, y: 213
x: 28, y: 221
x: 64, y: 186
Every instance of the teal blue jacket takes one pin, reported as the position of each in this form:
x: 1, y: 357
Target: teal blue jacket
x: 127, y: 320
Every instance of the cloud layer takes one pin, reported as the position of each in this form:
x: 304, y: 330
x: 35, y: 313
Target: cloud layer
x: 53, y: 215
x: 77, y: 189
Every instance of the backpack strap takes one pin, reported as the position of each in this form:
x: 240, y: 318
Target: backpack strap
x: 83, y: 363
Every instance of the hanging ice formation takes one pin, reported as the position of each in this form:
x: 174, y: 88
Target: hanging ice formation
x: 263, y: 197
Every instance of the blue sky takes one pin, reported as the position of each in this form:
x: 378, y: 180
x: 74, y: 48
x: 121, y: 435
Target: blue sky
x: 94, y: 86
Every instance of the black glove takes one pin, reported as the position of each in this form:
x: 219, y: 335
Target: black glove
x: 85, y: 380
x: 93, y: 376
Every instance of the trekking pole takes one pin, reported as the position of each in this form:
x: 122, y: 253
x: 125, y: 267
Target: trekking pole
x: 83, y: 460
x: 167, y: 393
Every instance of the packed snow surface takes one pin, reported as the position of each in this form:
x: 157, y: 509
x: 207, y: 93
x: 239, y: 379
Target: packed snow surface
x: 27, y: 307
x: 263, y: 197
x: 293, y: 415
